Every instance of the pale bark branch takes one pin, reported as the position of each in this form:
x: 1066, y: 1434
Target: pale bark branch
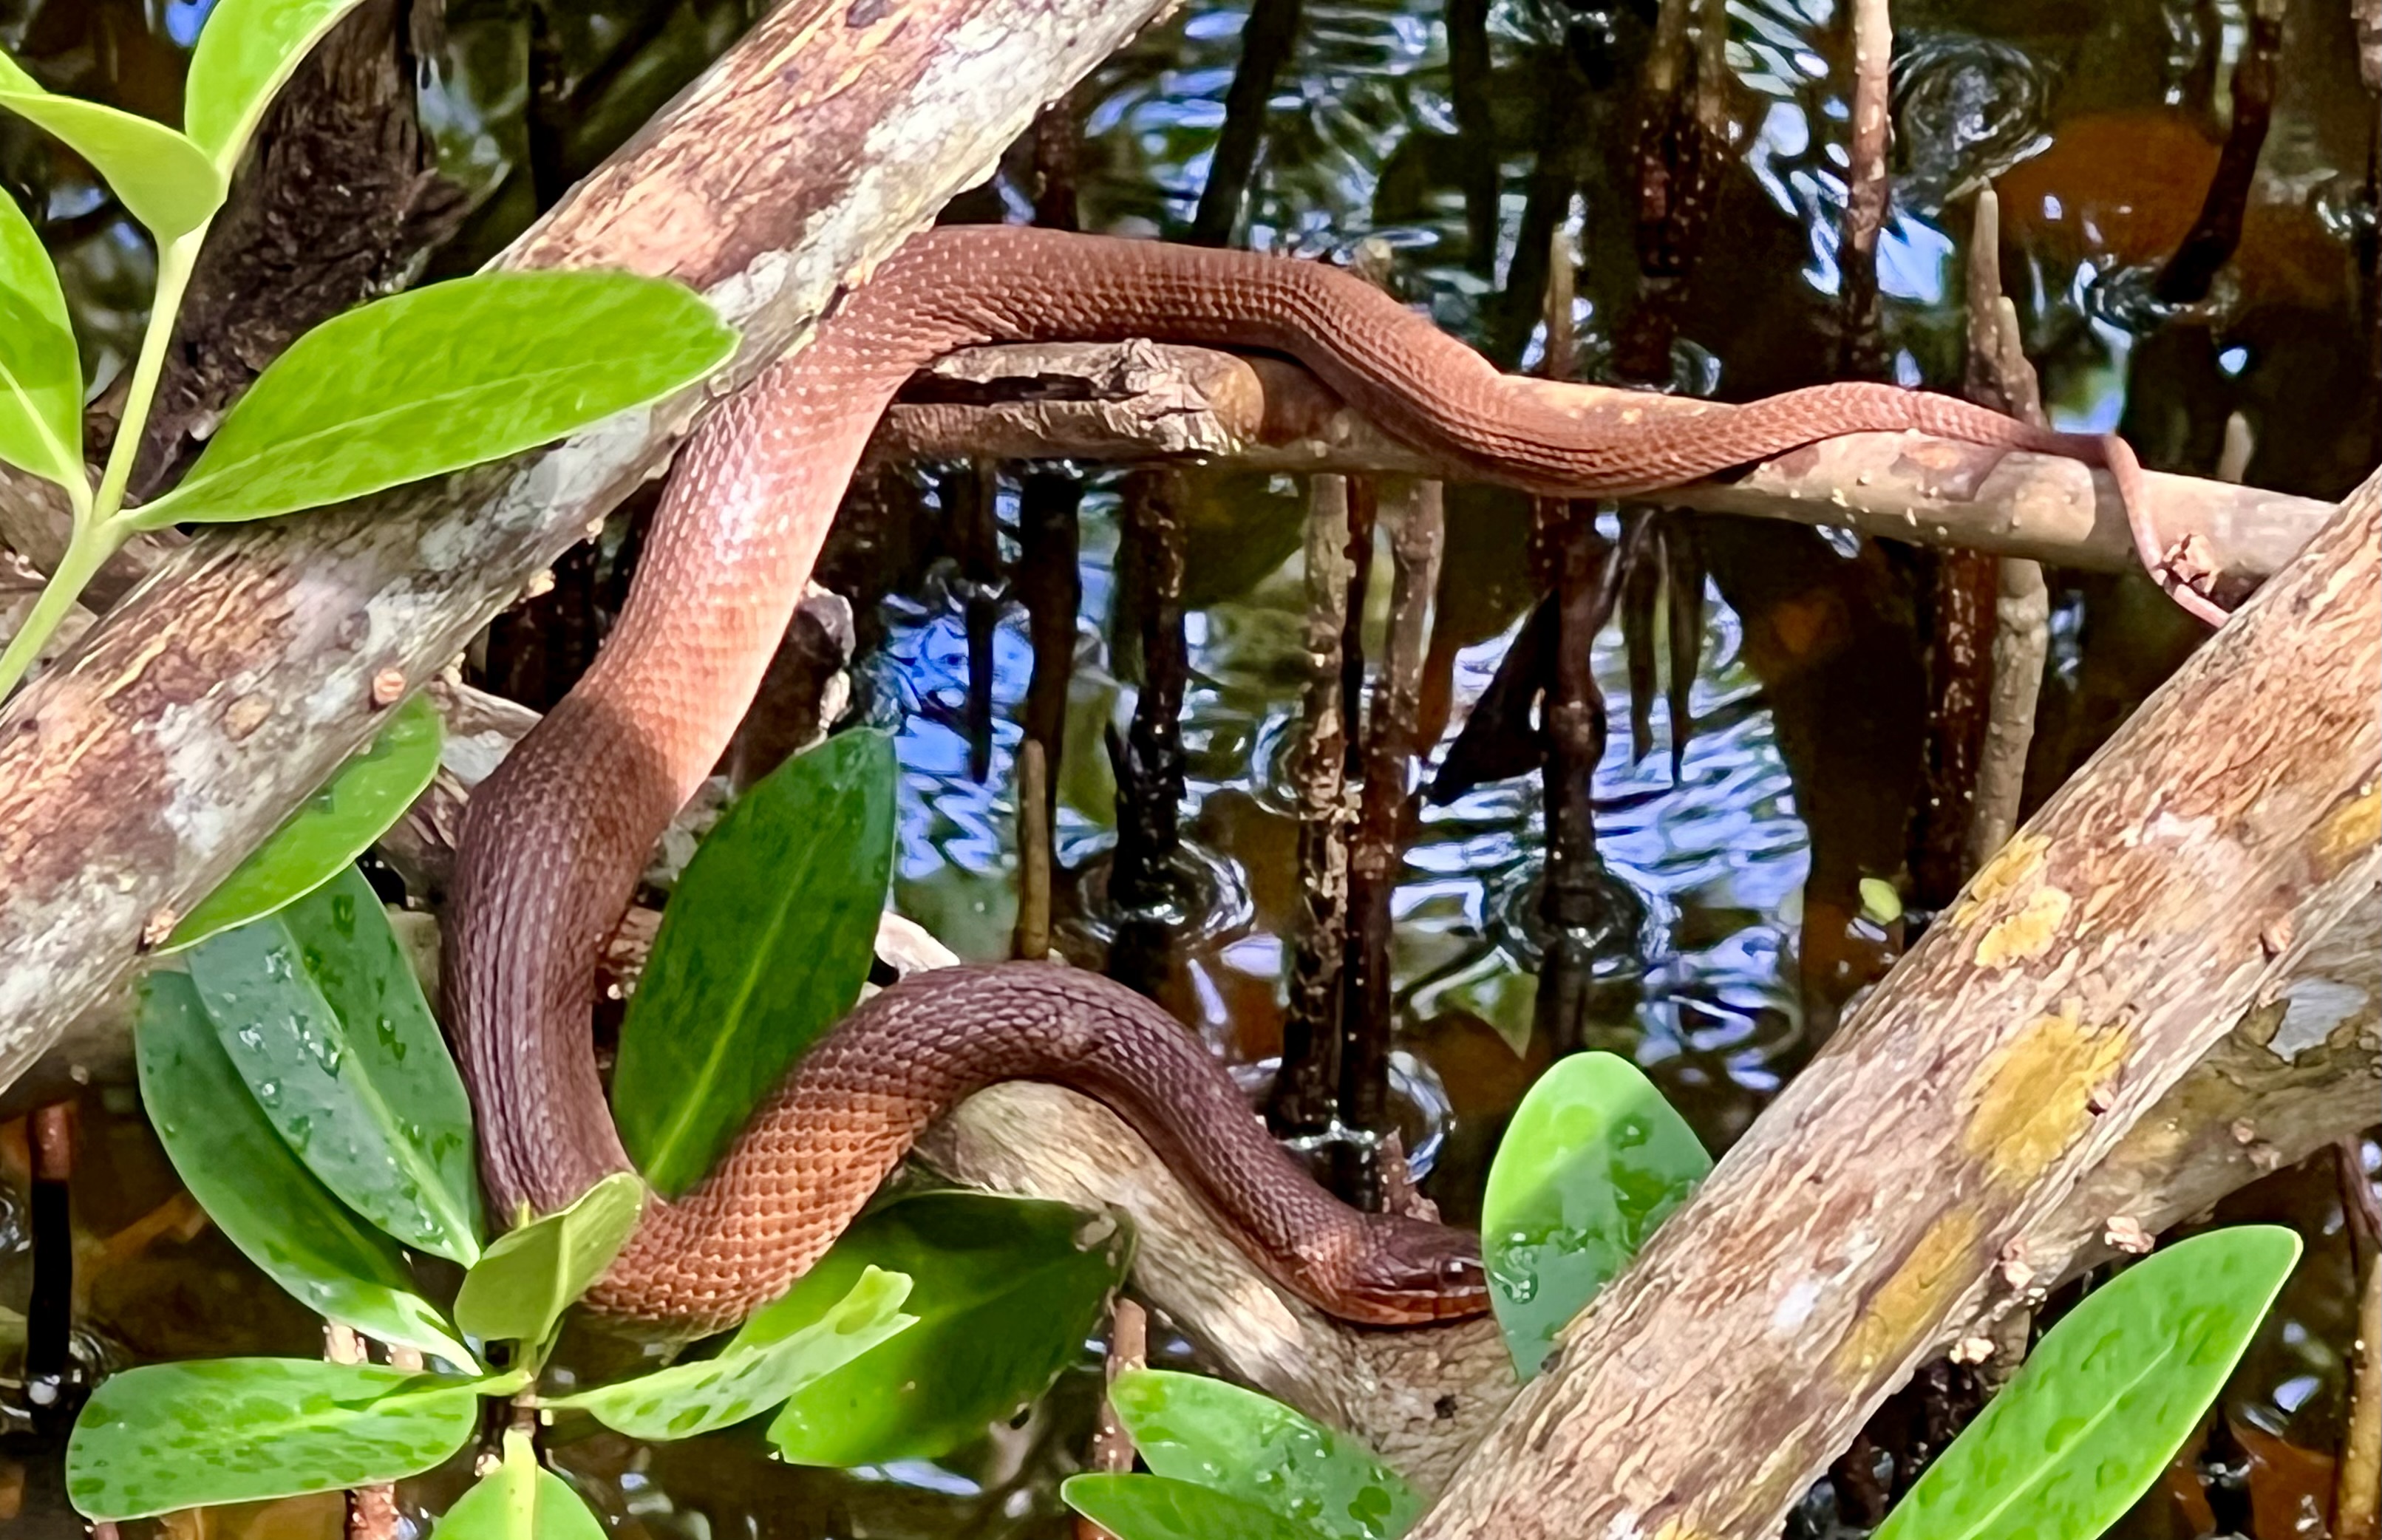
x: 1137, y: 401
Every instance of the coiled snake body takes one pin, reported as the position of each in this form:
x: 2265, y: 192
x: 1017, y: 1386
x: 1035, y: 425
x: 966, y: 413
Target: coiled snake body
x: 555, y: 840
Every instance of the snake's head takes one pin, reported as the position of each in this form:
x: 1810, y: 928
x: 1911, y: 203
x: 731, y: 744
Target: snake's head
x: 1416, y: 1271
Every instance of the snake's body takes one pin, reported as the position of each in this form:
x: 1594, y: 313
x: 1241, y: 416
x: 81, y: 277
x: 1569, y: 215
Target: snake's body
x: 556, y: 838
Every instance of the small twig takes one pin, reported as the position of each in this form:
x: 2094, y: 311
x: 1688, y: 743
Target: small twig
x: 971, y: 500
x: 1302, y: 1099
x: 1051, y: 585
x: 1032, y: 938
x: 1112, y: 1443
x: 1859, y: 355
x: 1999, y: 375
x: 2357, y: 1489
x: 1415, y: 542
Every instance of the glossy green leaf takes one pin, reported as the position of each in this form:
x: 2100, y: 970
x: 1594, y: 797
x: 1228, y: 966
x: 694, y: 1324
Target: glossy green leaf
x: 764, y: 945
x: 225, y: 1430
x: 750, y: 1374
x: 431, y: 381
x: 246, y: 52
x: 519, y: 1501
x: 1008, y: 1288
x: 530, y: 1276
x: 41, y: 376
x: 1253, y: 1448
x: 338, y: 822
x: 2106, y: 1398
x: 322, y: 1015
x: 266, y: 1203
x: 1592, y: 1161
x: 1159, y: 1508
x: 161, y: 178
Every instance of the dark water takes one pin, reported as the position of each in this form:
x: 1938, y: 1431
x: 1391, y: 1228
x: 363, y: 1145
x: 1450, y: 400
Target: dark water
x: 2101, y: 123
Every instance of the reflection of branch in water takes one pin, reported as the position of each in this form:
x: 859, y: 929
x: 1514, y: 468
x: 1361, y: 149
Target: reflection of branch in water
x: 1143, y: 885
x: 1267, y: 39
x: 2213, y: 236
x: 1476, y: 130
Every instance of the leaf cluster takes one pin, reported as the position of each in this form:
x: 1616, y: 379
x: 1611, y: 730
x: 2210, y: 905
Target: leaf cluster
x: 413, y: 386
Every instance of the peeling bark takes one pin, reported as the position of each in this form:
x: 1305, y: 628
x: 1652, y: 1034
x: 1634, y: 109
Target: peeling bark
x: 1898, y: 1183
x: 136, y: 775
x: 1140, y: 401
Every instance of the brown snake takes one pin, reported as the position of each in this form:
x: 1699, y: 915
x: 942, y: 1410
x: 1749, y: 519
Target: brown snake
x: 555, y: 840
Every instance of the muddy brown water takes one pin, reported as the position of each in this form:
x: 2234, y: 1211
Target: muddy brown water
x: 2101, y: 124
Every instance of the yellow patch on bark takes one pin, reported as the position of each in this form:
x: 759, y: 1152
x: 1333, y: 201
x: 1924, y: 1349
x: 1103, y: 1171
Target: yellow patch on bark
x: 1908, y: 1305
x: 2031, y: 1099
x: 2349, y: 830
x: 2029, y: 933
x: 2014, y: 863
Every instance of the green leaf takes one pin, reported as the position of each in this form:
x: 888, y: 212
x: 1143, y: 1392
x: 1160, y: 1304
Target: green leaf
x: 519, y: 1501
x: 440, y: 378
x: 161, y: 178
x: 338, y: 823
x: 1592, y: 1161
x: 1008, y: 1288
x: 2107, y: 1397
x: 41, y: 376
x: 255, y: 1191
x: 765, y: 946
x: 246, y: 52
x: 320, y: 1012
x: 750, y: 1374
x: 1159, y: 1508
x: 237, y: 1429
x: 528, y: 1277
x: 1253, y: 1448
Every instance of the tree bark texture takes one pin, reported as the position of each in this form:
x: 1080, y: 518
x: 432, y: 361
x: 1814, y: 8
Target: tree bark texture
x: 137, y: 775
x: 1140, y: 401
x: 2169, y: 887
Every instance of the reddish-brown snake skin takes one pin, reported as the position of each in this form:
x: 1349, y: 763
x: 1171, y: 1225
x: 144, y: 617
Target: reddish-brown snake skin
x: 555, y: 839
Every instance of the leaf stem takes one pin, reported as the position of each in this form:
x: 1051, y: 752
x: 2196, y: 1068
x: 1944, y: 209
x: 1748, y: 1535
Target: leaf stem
x: 86, y: 553
x: 176, y: 261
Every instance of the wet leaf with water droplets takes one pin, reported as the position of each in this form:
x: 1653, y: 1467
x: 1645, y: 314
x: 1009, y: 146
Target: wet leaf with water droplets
x: 1160, y: 1508
x: 323, y: 839
x: 1008, y: 1288
x: 300, y: 998
x: 267, y: 1203
x: 2107, y: 1397
x: 1592, y: 1161
x: 223, y: 1430
x: 753, y: 1373
x: 1254, y: 1448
